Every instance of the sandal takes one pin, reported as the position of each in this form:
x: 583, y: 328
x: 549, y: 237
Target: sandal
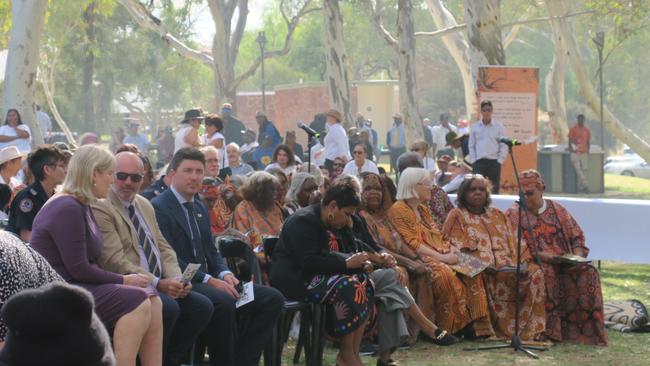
x: 444, y: 338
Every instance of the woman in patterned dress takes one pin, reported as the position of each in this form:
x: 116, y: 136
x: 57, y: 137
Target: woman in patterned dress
x: 483, y: 231
x: 574, y: 300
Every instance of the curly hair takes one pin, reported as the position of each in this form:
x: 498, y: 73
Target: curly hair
x: 291, y: 158
x: 260, y: 190
x: 464, y: 189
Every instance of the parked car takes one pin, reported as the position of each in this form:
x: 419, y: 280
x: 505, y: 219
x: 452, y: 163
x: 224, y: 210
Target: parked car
x: 633, y: 168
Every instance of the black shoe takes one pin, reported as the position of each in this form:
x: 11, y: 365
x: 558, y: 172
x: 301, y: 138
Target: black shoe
x: 444, y: 338
x: 368, y: 349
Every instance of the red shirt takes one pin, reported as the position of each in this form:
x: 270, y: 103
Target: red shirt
x: 579, y: 136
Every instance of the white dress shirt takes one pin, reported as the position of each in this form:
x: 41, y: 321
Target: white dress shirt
x: 484, y: 143
x: 352, y: 168
x: 336, y: 142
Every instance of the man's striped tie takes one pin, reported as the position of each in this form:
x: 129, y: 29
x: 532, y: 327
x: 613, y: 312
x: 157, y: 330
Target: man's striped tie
x: 145, y: 243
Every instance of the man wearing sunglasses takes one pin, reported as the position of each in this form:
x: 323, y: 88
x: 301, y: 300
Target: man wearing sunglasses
x: 486, y: 153
x: 48, y: 166
x: 133, y: 243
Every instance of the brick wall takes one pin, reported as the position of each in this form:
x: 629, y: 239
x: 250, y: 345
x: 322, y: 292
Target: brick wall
x: 287, y: 106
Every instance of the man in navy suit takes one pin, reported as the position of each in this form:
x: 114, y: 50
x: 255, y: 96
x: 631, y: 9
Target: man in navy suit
x: 185, y: 224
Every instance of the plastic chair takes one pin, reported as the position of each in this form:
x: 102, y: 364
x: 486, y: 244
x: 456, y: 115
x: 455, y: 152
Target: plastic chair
x: 312, y: 325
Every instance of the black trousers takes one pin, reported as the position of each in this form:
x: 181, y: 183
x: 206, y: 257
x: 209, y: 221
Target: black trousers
x: 244, y: 349
x: 491, y: 169
x: 183, y: 320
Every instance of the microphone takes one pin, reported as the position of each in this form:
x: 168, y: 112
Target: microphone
x: 310, y: 131
x: 508, y: 141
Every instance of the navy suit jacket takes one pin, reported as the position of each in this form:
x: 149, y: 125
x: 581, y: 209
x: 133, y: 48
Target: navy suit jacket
x: 174, y: 227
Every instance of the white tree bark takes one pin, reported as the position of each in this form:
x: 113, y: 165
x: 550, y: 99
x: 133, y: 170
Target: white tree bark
x: 612, y: 124
x: 336, y: 60
x: 404, y: 45
x: 483, y: 19
x: 28, y: 19
x: 555, y: 96
x: 458, y: 49
x: 406, y: 65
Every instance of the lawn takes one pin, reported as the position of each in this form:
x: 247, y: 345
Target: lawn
x: 619, y: 281
x: 620, y: 186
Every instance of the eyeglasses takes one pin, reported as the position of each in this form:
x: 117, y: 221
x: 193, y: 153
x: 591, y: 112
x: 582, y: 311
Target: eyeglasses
x: 135, y: 177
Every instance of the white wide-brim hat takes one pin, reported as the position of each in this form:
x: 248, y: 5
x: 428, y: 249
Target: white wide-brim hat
x: 10, y: 153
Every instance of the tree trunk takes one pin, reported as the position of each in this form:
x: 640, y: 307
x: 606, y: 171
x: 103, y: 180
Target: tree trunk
x: 28, y: 19
x: 459, y: 50
x: 89, y: 69
x: 555, y: 98
x: 407, y: 78
x: 612, y: 124
x: 225, y: 47
x: 336, y: 61
x: 483, y: 19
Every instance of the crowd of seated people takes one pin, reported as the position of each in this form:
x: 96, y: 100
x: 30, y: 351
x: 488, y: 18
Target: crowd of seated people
x: 380, y: 256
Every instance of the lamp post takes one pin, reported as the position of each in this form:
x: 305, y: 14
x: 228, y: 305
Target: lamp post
x: 599, y: 40
x: 261, y: 40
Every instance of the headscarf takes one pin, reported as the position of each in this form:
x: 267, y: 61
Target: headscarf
x: 531, y: 179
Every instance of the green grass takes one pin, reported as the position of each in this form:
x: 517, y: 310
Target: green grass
x: 619, y: 282
x: 626, y: 187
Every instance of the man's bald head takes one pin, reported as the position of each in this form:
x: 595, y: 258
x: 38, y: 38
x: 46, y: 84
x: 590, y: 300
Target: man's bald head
x: 128, y: 160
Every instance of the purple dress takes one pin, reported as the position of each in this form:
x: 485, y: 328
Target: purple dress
x: 66, y: 234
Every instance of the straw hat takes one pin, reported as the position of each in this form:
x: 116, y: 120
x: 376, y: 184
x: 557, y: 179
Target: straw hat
x: 334, y: 114
x: 10, y: 153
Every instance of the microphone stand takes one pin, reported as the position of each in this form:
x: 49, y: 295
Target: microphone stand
x: 515, y: 343
x: 309, y: 143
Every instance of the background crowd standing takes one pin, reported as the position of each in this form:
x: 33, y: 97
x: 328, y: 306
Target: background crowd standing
x: 100, y: 240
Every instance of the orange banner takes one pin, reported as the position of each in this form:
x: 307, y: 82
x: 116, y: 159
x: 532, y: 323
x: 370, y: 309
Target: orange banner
x: 514, y: 92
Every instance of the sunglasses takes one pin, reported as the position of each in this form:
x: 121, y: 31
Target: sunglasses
x: 135, y: 177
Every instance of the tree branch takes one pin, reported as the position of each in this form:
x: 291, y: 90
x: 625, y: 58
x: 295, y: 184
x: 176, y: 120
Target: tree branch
x: 514, y: 31
x: 459, y: 27
x: 235, y: 40
x: 288, y: 39
x: 374, y: 6
x: 144, y: 18
x: 134, y: 108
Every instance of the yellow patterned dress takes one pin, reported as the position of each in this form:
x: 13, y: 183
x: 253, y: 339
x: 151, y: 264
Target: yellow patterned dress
x: 458, y: 300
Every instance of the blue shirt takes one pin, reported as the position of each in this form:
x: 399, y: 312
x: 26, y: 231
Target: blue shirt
x: 400, y: 136
x: 139, y: 140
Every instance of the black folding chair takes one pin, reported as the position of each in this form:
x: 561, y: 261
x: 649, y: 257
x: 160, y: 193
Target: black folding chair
x: 312, y: 325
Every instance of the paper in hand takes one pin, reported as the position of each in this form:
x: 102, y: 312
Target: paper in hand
x: 189, y: 273
x: 246, y: 295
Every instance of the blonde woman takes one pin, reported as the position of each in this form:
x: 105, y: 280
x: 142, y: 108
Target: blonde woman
x: 66, y: 234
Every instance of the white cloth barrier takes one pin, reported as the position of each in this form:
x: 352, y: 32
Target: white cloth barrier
x: 615, y: 229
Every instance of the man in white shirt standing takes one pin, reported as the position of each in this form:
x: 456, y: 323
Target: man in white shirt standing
x: 438, y: 134
x: 44, y: 122
x: 486, y: 153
